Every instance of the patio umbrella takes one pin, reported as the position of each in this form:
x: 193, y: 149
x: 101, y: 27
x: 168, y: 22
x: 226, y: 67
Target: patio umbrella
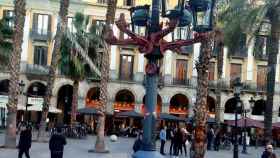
x: 249, y: 123
x: 88, y: 111
x: 132, y: 114
x: 210, y: 120
x: 165, y: 116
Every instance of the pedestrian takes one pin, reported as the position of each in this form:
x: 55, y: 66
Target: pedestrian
x: 217, y: 141
x: 177, y: 142
x: 184, y: 140
x: 268, y: 153
x: 210, y: 135
x: 24, y: 141
x: 172, y: 133
x: 162, y: 136
x: 138, y: 142
x: 57, y: 143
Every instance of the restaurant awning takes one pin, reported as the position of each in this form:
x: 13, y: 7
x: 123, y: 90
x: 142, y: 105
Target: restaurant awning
x: 276, y: 125
x: 132, y: 114
x: 210, y: 120
x: 249, y: 123
x: 165, y: 116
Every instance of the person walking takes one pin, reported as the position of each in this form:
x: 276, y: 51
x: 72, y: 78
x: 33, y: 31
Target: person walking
x: 138, y: 142
x: 162, y: 136
x: 57, y: 143
x: 24, y: 141
x: 268, y: 153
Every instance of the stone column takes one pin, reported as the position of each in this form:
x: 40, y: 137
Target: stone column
x: 26, y: 30
x: 138, y: 106
x: 168, y: 64
x: 113, y: 57
x: 196, y: 53
x: 165, y: 108
x: 139, y: 75
x: 250, y: 61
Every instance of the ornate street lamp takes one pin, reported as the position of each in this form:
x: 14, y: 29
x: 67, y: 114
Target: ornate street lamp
x: 265, y: 27
x: 237, y: 90
x: 202, y: 14
x: 154, y: 46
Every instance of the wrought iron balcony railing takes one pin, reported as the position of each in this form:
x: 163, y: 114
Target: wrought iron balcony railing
x: 185, y: 81
x: 37, y: 69
x: 40, y: 35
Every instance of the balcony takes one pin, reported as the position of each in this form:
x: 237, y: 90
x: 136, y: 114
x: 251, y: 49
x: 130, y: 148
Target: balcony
x: 37, y: 69
x: 260, y: 56
x: 40, y: 35
x: 184, y: 82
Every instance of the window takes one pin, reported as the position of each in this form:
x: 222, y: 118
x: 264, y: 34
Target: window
x: 240, y: 50
x: 235, y: 72
x: 261, y: 78
x: 211, y: 71
x: 8, y: 16
x: 41, y: 23
x: 102, y: 1
x: 260, y: 47
x: 126, y: 67
x: 40, y: 55
x: 129, y: 2
x: 181, y: 70
x: 70, y: 25
x: 99, y: 26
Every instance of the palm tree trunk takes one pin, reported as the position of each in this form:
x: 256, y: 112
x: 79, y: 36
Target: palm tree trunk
x: 61, y: 26
x: 74, y: 101
x: 14, y: 67
x: 200, y: 110
x: 272, y: 50
x: 100, y: 141
x: 220, y: 58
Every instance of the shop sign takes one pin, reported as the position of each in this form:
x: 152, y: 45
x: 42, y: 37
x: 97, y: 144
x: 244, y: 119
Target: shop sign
x: 35, y: 101
x: 3, y: 100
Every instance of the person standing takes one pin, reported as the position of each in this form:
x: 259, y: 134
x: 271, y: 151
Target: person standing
x: 184, y: 140
x: 24, y: 141
x: 217, y: 141
x: 162, y: 136
x: 57, y: 143
x: 268, y: 153
x: 210, y: 135
x: 172, y: 134
x: 177, y: 142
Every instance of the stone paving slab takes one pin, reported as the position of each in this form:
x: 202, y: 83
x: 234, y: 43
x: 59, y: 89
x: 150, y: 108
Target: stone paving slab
x: 121, y: 149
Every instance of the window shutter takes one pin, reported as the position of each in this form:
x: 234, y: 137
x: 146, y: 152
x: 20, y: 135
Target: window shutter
x: 35, y: 58
x: 50, y: 23
x: 35, y: 21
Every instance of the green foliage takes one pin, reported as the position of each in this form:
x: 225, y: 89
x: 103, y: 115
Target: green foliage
x: 71, y: 64
x: 239, y: 17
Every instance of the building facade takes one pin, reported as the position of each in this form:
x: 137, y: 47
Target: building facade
x: 177, y: 78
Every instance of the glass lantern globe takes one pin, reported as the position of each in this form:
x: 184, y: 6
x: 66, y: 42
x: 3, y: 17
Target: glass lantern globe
x: 202, y: 14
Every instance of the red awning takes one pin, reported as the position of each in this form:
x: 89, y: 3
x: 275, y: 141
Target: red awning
x: 276, y: 125
x: 249, y: 123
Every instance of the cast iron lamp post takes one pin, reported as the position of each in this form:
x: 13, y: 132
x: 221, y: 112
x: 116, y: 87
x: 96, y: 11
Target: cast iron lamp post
x: 245, y: 111
x: 237, y: 90
x: 199, y: 13
x: 22, y: 85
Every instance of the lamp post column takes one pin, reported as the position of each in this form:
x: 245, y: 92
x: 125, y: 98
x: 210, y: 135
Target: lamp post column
x: 235, y: 150
x: 244, y: 150
x: 151, y: 85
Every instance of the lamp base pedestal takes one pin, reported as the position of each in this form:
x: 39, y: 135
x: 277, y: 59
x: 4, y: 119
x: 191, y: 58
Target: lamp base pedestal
x: 147, y: 154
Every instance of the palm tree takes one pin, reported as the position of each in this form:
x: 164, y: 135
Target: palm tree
x: 61, y: 27
x: 14, y: 68
x: 246, y: 17
x: 73, y: 65
x: 200, y: 109
x: 110, y: 16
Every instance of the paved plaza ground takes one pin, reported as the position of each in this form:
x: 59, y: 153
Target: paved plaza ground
x: 120, y: 149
